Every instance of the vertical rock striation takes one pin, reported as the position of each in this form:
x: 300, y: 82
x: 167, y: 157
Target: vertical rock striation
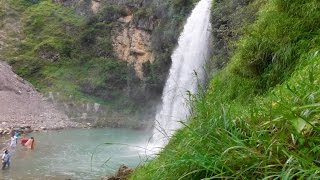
x: 132, y: 43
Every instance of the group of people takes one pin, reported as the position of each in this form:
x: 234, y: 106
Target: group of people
x: 26, y: 142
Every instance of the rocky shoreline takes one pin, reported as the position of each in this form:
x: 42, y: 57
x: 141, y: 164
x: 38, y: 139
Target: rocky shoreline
x: 24, y: 109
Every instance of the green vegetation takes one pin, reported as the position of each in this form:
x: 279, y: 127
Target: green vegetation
x: 48, y: 36
x: 65, y: 52
x: 71, y: 55
x: 228, y: 19
x: 259, y: 118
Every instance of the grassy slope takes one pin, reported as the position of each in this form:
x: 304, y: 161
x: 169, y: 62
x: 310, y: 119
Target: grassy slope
x: 59, y: 52
x: 260, y: 115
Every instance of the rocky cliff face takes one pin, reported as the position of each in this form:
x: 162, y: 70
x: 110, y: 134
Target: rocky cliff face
x: 143, y: 34
x: 131, y: 38
x: 132, y: 43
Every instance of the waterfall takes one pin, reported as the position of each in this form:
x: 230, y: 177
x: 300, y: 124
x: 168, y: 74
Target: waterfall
x: 186, y: 73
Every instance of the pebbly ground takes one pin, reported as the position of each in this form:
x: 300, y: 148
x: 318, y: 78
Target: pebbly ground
x: 21, y: 106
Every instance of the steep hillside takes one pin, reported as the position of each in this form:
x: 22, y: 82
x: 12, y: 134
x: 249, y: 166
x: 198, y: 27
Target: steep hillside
x: 22, y: 106
x: 104, y: 62
x: 259, y: 118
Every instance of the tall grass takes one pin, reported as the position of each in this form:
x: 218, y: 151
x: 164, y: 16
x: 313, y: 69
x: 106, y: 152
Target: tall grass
x: 275, y: 42
x: 260, y: 116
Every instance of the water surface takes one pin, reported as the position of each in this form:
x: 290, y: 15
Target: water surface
x: 77, y: 154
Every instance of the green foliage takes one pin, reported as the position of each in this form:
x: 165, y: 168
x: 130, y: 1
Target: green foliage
x: 95, y: 38
x: 272, y: 136
x: 106, y: 78
x: 259, y: 118
x: 143, y: 13
x: 182, y: 6
x: 23, y: 3
x: 62, y: 51
x: 228, y: 19
x: 27, y: 66
x: 66, y: 53
x: 111, y: 13
x: 276, y: 42
x: 2, y: 11
x: 50, y: 30
x: 48, y: 21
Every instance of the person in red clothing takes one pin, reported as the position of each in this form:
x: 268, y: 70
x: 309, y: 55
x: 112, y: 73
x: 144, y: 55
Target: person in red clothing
x: 24, y: 140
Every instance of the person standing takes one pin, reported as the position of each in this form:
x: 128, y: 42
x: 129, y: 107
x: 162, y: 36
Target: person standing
x: 5, y: 159
x: 14, y: 139
x: 30, y: 143
x: 17, y: 133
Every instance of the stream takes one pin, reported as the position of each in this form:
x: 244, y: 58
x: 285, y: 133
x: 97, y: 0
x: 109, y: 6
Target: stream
x: 77, y: 154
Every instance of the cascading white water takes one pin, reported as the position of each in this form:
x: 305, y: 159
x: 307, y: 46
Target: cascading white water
x: 186, y: 73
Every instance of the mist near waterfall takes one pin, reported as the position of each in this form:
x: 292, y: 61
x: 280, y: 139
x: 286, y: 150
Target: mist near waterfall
x: 186, y: 73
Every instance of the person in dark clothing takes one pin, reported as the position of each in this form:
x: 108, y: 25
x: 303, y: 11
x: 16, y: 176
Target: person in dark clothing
x: 5, y: 159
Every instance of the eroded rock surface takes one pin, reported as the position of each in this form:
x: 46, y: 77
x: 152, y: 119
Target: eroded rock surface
x: 132, y: 44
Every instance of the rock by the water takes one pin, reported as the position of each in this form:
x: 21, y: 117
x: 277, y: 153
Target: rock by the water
x: 122, y: 174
